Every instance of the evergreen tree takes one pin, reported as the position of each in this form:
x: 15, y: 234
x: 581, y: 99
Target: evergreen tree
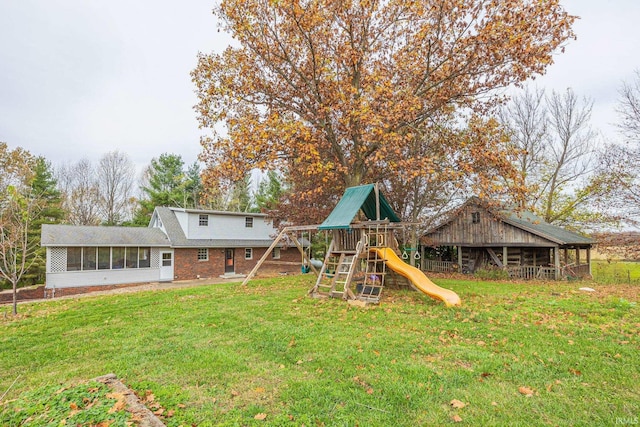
x: 43, y: 187
x: 193, y: 185
x: 240, y: 196
x: 269, y: 192
x: 168, y: 185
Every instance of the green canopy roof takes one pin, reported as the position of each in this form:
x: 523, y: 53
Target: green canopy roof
x: 356, y: 198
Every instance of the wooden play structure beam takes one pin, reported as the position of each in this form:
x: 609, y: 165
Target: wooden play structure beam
x: 291, y: 232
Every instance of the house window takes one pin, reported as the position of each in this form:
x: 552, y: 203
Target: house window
x: 275, y: 254
x: 144, y: 257
x: 248, y: 222
x: 104, y: 258
x: 74, y: 259
x: 203, y: 254
x: 203, y: 220
x: 132, y: 258
x: 89, y: 258
x: 248, y: 253
x: 475, y: 217
x: 117, y: 258
x: 166, y: 259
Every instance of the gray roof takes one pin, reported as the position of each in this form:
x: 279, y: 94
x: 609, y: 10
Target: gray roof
x: 216, y: 212
x: 81, y: 235
x: 530, y: 222
x: 86, y: 235
x: 172, y: 226
x: 179, y: 239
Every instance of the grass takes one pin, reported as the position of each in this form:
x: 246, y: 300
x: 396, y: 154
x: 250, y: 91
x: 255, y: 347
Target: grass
x: 265, y: 354
x: 616, y: 271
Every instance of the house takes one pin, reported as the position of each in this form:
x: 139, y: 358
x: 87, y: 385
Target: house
x: 178, y: 244
x: 479, y: 235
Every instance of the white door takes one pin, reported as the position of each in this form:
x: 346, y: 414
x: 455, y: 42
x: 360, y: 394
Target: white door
x: 166, y: 266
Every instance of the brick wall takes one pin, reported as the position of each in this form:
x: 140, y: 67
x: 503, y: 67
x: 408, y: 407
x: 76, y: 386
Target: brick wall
x: 188, y: 267
x: 63, y: 292
x: 22, y: 294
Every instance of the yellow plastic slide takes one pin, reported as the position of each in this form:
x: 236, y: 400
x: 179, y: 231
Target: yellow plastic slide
x: 417, y: 277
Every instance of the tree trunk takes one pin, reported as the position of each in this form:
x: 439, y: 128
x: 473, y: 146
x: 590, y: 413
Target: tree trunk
x: 15, y: 297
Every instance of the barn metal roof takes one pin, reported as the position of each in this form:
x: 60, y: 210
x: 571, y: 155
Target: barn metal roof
x: 522, y: 219
x: 530, y: 222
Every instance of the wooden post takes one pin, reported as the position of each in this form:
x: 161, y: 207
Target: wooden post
x: 505, y: 256
x: 376, y: 190
x: 460, y: 259
x: 283, y: 233
x: 556, y: 261
x: 589, y: 259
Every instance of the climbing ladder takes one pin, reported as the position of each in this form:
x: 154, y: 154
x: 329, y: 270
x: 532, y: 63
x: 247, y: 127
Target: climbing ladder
x: 337, y: 272
x: 370, y: 283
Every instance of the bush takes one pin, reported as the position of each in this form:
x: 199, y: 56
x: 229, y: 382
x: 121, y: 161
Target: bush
x: 491, y: 274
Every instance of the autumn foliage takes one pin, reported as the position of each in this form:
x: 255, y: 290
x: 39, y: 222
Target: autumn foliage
x: 339, y: 93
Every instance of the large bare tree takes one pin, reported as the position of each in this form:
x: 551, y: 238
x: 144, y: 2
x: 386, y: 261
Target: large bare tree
x: 115, y: 178
x: 80, y: 192
x: 621, y: 161
x: 555, y: 153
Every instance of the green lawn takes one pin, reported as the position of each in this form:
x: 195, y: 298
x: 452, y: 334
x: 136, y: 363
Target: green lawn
x: 616, y: 271
x: 265, y: 354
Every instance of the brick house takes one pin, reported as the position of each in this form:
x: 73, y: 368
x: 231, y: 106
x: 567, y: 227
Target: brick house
x: 178, y: 244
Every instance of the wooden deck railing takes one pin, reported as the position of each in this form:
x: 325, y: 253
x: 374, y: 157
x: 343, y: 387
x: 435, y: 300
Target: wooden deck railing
x: 529, y: 272
x: 524, y: 272
x: 439, y: 266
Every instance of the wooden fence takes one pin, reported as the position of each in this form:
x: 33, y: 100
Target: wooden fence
x: 524, y: 272
x: 529, y: 272
x: 439, y: 266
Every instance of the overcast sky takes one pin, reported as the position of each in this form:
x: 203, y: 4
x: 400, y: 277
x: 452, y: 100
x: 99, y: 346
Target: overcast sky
x: 80, y: 78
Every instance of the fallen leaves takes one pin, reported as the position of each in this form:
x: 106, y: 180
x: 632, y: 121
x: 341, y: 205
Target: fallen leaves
x: 120, y: 404
x: 526, y: 391
x: 457, y: 404
x: 261, y: 416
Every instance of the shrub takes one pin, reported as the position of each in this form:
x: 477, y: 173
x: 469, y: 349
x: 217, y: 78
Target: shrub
x: 490, y: 273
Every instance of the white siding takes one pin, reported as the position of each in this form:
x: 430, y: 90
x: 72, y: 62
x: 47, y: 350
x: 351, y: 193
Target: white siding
x: 72, y: 279
x: 57, y: 277
x: 184, y: 220
x: 225, y: 227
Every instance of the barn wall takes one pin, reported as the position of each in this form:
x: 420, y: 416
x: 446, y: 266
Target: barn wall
x: 475, y: 226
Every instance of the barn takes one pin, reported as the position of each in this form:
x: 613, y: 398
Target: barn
x: 481, y: 235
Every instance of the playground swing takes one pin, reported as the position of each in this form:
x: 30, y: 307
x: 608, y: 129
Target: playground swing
x: 405, y: 255
x: 306, y: 253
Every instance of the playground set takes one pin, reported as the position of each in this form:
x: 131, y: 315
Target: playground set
x: 362, y: 254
